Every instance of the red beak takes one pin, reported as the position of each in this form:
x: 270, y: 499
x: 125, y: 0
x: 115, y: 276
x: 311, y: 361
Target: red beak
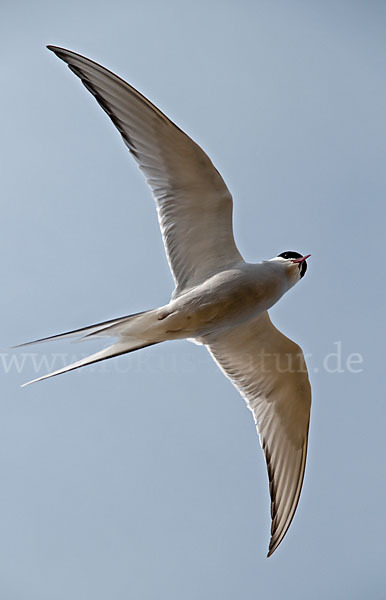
x: 302, y: 259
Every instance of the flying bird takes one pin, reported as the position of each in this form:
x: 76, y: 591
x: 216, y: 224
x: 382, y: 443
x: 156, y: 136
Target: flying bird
x: 219, y: 300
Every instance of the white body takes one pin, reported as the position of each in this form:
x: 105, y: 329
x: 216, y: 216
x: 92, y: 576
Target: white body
x: 224, y: 300
x: 220, y: 300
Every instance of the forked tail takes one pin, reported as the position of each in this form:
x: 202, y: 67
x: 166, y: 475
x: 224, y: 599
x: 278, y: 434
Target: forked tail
x: 133, y: 332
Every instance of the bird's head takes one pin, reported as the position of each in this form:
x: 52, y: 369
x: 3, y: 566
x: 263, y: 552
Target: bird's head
x: 295, y: 265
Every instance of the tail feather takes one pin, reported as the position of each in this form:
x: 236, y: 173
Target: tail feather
x: 134, y: 332
x: 115, y: 350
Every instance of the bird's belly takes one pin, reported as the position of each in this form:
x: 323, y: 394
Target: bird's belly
x: 218, y: 304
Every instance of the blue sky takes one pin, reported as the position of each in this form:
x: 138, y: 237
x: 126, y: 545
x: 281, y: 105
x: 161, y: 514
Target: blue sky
x: 142, y: 477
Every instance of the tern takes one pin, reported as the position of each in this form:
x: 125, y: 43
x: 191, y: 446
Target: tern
x: 219, y: 300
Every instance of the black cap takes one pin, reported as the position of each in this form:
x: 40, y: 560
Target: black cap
x: 292, y: 254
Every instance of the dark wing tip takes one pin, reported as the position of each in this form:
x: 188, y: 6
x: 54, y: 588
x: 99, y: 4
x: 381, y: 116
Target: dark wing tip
x: 273, y: 545
x: 278, y: 534
x: 55, y: 49
x: 63, y: 53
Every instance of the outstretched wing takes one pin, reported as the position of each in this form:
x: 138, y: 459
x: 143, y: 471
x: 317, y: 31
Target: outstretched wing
x: 194, y: 204
x: 270, y: 372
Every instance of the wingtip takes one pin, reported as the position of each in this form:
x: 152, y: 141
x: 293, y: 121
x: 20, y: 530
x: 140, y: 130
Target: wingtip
x: 55, y: 49
x: 273, y: 545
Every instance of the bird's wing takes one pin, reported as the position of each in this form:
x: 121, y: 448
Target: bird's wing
x: 270, y: 372
x: 194, y: 204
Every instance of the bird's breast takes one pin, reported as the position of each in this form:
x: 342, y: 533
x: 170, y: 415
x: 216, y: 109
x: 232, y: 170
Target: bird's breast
x: 224, y: 300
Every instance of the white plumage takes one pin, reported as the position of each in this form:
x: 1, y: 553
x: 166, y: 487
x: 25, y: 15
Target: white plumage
x: 220, y: 300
